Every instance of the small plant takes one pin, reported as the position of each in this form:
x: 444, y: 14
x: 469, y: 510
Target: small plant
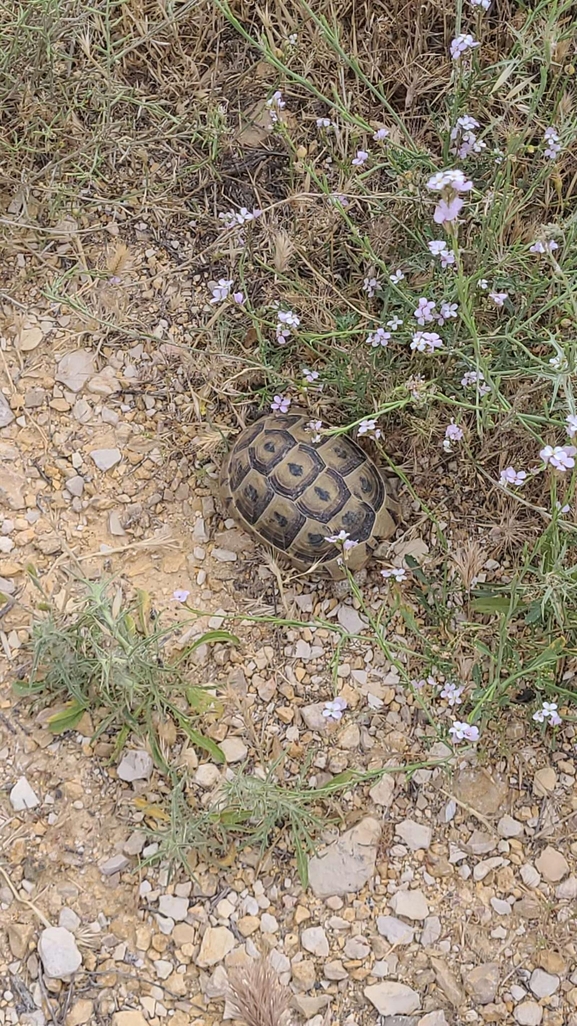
x: 248, y: 811
x: 99, y: 657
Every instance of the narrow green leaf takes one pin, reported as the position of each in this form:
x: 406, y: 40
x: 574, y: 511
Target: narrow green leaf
x: 67, y: 718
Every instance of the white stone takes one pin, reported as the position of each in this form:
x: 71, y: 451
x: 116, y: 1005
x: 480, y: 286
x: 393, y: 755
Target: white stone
x: 350, y: 619
x: 543, y: 984
x: 390, y: 998
x: 335, y: 970
x: 501, y: 907
x: 68, y: 919
x: 410, y: 904
x: 23, y: 797
x: 482, y: 869
x: 6, y: 415
x: 207, y: 775
x: 233, y: 749
x: 136, y: 764
x: 314, y: 939
x: 357, y: 948
x: 431, y: 931
x: 382, y: 792
x: 163, y: 968
x: 74, y: 369
x: 104, y: 383
x: 115, y: 864
x: 509, y: 827
x: 58, y: 952
x: 268, y: 923
x: 528, y: 1014
x: 347, y: 864
x: 437, y: 1018
x: 395, y: 930
x: 567, y: 889
x: 216, y: 943
x: 105, y: 459
x: 314, y: 718
x: 172, y: 907
x: 415, y: 835
x: 530, y: 876
x: 75, y: 485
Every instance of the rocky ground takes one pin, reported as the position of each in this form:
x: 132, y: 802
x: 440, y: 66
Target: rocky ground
x: 444, y: 895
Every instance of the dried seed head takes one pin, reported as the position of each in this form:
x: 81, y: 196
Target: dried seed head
x: 118, y: 261
x: 283, y: 250
x: 257, y: 996
x: 469, y: 562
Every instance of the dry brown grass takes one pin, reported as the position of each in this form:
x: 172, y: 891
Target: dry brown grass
x: 257, y: 996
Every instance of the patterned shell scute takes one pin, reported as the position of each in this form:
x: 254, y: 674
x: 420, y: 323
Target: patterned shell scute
x: 294, y: 493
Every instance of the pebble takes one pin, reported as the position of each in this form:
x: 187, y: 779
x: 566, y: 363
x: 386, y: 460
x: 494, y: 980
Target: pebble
x: 172, y: 907
x: 437, y: 1018
x: 75, y: 485
x: 415, y: 835
x: 115, y: 864
x: 105, y: 459
x: 130, y: 1017
x: 482, y: 982
x: 80, y: 1012
x: 529, y: 1013
x: 410, y: 904
x: 357, y: 948
x: 22, y: 796
x: 350, y: 619
x: 268, y: 923
x: 115, y: 525
x: 335, y: 970
x: 501, y: 906
x: 69, y: 920
x: 431, y: 931
x: 509, y: 827
x: 58, y: 952
x: 314, y: 939
x: 75, y: 368
x: 482, y: 869
x: 233, y: 749
x: 543, y: 984
x: 135, y: 764
x: 224, y: 555
x: 207, y: 775
x: 552, y: 864
x: 544, y: 781
x: 567, y: 889
x: 552, y: 961
x: 350, y: 737
x: 314, y: 718
x: 480, y: 842
x: 6, y: 415
x: 382, y: 792
x: 530, y: 876
x: 216, y: 943
x: 390, y: 998
x: 395, y: 930
x: 348, y: 863
x: 104, y: 383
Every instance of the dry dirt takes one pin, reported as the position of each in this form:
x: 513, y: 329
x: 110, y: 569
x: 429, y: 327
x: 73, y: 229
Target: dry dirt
x: 479, y: 885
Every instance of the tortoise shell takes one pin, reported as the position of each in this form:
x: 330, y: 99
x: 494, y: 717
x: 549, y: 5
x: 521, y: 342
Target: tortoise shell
x: 291, y: 492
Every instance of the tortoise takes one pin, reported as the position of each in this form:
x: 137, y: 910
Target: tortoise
x: 293, y: 493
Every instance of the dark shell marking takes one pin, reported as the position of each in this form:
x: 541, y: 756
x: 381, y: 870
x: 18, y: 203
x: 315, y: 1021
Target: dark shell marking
x: 293, y: 493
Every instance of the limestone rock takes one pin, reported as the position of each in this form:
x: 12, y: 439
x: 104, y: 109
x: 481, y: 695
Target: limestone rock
x: 346, y: 865
x: 58, y: 952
